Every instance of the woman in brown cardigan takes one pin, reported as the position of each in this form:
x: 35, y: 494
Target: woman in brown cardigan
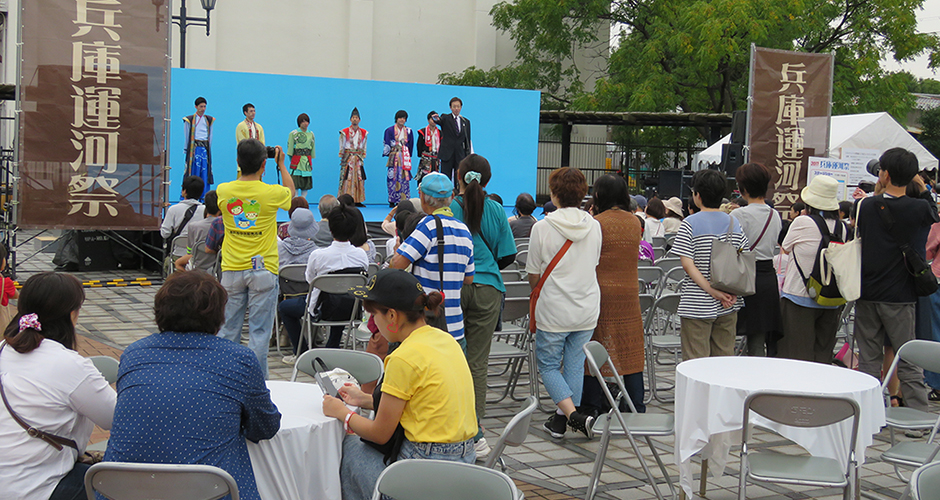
x: 620, y: 325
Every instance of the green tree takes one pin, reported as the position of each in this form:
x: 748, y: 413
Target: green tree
x: 930, y: 138
x: 693, y: 55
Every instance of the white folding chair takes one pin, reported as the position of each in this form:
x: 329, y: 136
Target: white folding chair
x: 338, y: 284
x: 645, y: 425
x: 513, y: 435
x: 659, y: 327
x: 364, y: 366
x: 127, y: 481
x: 451, y: 481
x: 799, y: 410
x: 926, y: 355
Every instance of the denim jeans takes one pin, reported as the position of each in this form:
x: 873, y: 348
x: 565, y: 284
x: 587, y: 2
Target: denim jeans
x: 292, y: 314
x: 933, y: 379
x: 594, y: 399
x: 72, y: 486
x: 555, y: 350
x: 362, y: 464
x: 256, y: 291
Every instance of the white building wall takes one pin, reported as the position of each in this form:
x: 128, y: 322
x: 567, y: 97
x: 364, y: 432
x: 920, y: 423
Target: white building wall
x: 404, y: 41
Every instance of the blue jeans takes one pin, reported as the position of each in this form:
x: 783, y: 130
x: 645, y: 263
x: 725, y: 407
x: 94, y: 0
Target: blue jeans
x: 556, y: 349
x: 292, y: 314
x: 933, y: 379
x: 361, y: 464
x: 72, y: 486
x: 256, y: 291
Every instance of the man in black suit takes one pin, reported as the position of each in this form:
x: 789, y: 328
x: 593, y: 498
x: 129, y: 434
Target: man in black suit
x: 455, y: 138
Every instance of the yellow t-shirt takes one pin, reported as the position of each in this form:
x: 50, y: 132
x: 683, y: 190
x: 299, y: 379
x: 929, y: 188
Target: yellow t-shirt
x: 249, y: 211
x: 430, y: 372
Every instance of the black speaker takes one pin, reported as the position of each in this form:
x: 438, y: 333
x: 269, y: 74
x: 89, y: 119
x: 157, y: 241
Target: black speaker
x: 732, y: 157
x: 670, y: 183
x: 738, y: 127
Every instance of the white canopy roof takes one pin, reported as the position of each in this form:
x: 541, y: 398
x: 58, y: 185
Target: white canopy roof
x: 865, y: 131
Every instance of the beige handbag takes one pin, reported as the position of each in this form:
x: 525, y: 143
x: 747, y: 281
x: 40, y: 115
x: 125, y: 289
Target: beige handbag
x: 733, y: 269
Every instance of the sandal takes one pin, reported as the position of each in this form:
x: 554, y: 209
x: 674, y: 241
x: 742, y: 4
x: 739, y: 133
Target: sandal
x: 896, y: 401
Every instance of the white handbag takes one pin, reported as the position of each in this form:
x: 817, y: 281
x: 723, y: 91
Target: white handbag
x: 845, y: 260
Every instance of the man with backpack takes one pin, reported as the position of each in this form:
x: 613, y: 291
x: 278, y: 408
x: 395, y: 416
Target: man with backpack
x: 893, y: 228
x: 178, y: 216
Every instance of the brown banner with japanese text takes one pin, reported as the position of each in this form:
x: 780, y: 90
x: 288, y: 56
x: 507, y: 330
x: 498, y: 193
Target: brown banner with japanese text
x: 789, y: 106
x: 93, y: 97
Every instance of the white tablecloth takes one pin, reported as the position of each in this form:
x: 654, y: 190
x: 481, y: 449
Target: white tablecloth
x: 302, y: 460
x: 710, y: 394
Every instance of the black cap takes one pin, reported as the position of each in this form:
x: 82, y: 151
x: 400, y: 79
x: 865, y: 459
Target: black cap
x: 392, y: 288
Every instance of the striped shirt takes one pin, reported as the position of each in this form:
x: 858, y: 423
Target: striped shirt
x: 421, y: 249
x: 694, y: 240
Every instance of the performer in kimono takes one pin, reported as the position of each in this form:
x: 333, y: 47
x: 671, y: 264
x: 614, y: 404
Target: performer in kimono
x: 198, y: 130
x: 398, y: 147
x: 352, y: 152
x: 429, y: 143
x: 301, y: 150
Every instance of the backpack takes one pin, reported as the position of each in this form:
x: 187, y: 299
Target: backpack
x: 821, y: 284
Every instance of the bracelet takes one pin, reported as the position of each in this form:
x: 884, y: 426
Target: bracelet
x: 346, y: 422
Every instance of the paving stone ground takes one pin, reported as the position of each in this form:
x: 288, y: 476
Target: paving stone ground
x: 114, y: 317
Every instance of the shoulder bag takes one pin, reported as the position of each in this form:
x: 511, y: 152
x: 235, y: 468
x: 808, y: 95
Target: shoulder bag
x: 845, y: 259
x: 438, y: 319
x: 925, y: 283
x: 733, y: 269
x: 537, y: 290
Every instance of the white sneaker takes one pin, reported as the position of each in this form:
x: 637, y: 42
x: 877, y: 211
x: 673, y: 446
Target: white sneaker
x: 289, y: 360
x: 482, y: 449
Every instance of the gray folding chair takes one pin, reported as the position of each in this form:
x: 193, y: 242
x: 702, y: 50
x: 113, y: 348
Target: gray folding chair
x: 668, y: 263
x: 511, y: 347
x: 513, y: 435
x: 510, y: 275
x: 645, y: 425
x: 199, y: 253
x: 799, y: 410
x: 373, y: 269
x: 673, y: 279
x: 364, y: 366
x: 659, y: 252
x: 924, y: 354
x: 925, y: 482
x: 451, y: 480
x: 658, y: 241
x: 108, y: 367
x: 652, y: 276
x: 659, y: 326
x: 292, y: 273
x: 336, y: 284
x: 521, y: 241
x: 646, y: 302
x: 126, y: 481
x: 522, y: 257
x: 178, y: 248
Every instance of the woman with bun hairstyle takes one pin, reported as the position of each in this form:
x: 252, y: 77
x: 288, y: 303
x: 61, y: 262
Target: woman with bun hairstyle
x: 51, y: 387
x: 424, y: 403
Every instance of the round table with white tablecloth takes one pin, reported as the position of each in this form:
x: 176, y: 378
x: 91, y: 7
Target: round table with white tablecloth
x: 302, y: 459
x: 710, y: 394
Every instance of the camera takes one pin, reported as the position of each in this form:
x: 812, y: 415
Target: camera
x: 873, y: 167
x: 272, y: 152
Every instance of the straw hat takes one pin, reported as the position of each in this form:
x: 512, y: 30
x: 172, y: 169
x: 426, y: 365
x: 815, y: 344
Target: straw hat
x: 674, y: 205
x: 821, y: 193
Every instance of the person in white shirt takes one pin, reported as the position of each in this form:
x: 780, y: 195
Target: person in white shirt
x: 50, y: 386
x: 569, y: 304
x: 340, y: 255
x: 173, y: 223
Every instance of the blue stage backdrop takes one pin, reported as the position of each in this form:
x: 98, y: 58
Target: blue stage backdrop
x: 504, y: 124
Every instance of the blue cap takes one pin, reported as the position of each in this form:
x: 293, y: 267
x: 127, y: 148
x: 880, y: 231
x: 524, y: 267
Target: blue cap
x: 437, y: 185
x: 640, y: 200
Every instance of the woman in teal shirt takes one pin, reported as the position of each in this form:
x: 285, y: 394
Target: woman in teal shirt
x: 493, y: 249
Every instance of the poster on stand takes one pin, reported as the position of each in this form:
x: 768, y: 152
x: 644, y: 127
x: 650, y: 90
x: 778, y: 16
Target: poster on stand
x: 837, y: 169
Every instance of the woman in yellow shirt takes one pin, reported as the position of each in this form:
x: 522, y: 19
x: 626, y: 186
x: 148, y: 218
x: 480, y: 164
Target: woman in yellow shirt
x: 427, y: 389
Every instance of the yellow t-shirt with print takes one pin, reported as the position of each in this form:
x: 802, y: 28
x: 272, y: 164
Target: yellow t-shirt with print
x: 249, y: 211
x: 430, y: 372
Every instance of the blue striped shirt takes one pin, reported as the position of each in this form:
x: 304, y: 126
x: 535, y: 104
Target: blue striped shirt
x: 421, y: 249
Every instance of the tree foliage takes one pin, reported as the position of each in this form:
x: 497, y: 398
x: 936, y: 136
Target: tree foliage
x: 693, y: 55
x: 930, y: 138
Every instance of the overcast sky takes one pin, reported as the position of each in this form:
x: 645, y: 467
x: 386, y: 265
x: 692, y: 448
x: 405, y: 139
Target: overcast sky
x: 928, y: 21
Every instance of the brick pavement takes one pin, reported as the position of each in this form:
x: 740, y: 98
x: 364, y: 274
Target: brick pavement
x: 544, y: 468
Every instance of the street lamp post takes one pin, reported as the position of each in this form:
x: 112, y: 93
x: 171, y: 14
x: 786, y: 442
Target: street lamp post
x: 183, y: 21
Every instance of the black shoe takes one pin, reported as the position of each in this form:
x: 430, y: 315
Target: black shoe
x: 556, y: 425
x: 582, y: 423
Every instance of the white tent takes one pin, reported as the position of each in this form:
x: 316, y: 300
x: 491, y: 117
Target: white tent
x: 865, y: 131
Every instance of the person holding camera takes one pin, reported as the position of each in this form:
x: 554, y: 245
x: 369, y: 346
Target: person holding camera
x: 249, y: 251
